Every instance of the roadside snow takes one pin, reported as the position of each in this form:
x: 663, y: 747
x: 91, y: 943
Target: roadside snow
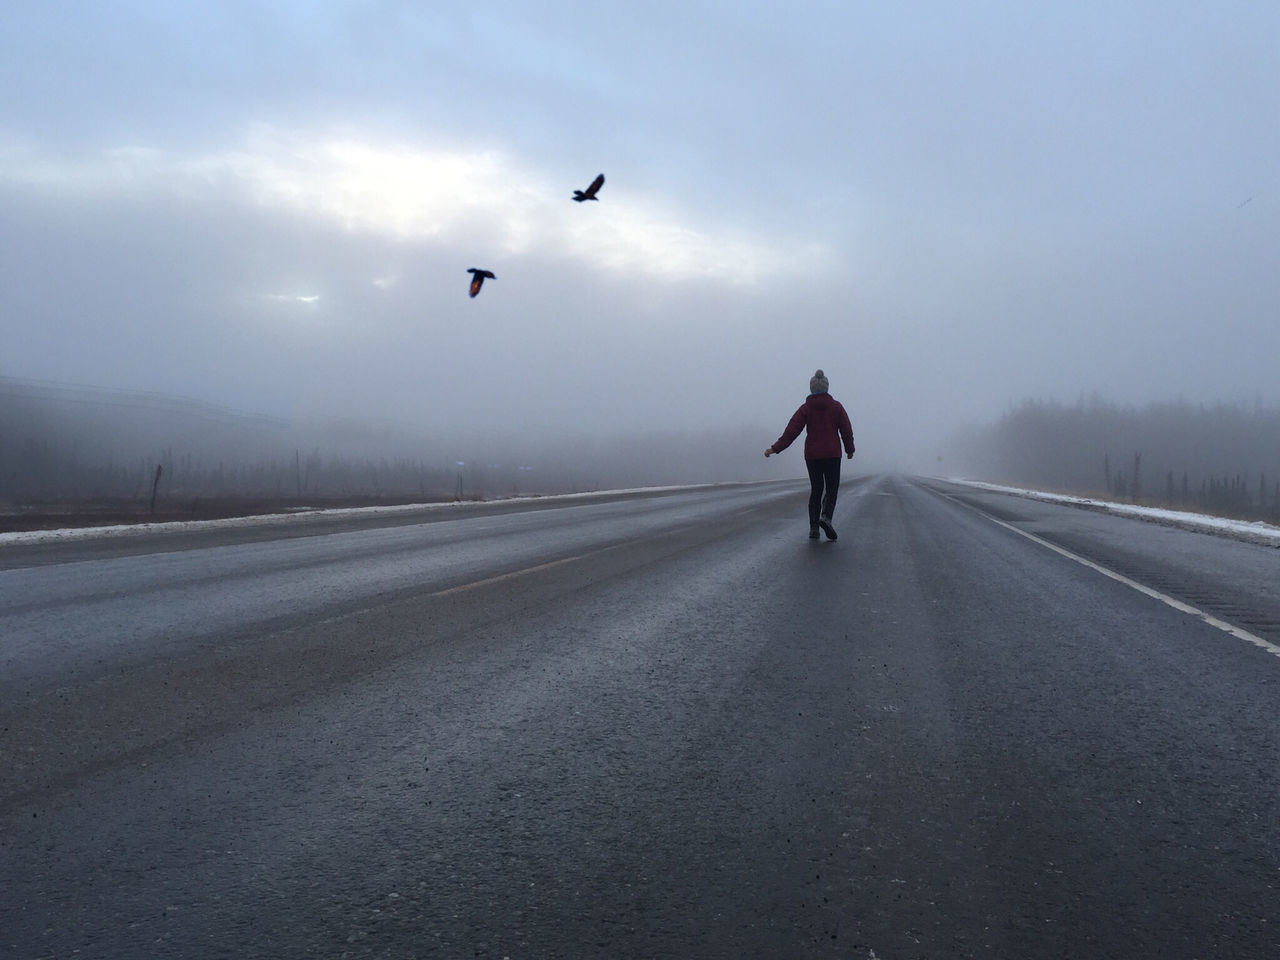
x: 1254, y: 531
x: 297, y: 516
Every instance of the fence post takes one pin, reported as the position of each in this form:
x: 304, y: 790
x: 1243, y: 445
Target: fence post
x: 155, y: 486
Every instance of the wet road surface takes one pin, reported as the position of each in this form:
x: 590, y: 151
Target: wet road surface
x: 652, y: 727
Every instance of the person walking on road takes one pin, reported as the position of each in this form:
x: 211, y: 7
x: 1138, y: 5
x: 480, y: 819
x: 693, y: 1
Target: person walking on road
x: 826, y: 426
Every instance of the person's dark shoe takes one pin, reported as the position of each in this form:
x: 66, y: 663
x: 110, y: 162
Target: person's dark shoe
x: 827, y: 528
x: 813, y: 531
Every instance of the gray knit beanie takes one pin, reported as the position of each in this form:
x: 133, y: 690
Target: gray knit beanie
x: 818, y: 382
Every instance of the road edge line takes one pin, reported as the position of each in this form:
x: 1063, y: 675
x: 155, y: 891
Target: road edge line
x: 1226, y: 627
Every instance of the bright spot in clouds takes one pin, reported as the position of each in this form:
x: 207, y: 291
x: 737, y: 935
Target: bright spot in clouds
x: 294, y: 297
x: 418, y: 193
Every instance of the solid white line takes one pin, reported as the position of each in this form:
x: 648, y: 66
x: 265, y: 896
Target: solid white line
x: 1230, y: 628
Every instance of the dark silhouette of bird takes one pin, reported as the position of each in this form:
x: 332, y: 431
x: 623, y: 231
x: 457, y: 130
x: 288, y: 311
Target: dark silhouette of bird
x: 591, y: 191
x: 477, y: 279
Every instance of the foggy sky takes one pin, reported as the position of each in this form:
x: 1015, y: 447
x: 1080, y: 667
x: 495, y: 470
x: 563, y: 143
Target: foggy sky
x: 948, y: 207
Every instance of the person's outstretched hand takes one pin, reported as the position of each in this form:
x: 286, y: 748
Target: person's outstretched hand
x: 768, y: 451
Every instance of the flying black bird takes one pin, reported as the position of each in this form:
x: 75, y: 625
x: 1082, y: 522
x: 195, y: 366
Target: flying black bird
x: 591, y: 191
x: 477, y: 279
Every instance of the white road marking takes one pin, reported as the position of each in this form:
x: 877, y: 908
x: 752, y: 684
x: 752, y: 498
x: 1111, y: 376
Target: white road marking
x: 1229, y: 628
x: 512, y: 575
x: 525, y: 571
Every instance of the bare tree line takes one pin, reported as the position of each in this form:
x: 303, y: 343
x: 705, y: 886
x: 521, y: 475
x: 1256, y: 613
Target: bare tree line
x: 1220, y: 458
x: 61, y: 444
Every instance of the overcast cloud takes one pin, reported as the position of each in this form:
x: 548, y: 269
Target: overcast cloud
x: 948, y: 207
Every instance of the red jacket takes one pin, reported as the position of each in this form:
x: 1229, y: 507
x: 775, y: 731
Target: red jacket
x: 826, y: 425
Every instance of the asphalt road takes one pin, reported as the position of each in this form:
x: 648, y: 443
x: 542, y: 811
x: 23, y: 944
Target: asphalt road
x: 664, y: 726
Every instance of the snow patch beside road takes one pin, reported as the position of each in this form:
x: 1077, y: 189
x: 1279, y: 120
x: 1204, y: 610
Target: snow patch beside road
x: 1254, y: 531
x: 296, y: 516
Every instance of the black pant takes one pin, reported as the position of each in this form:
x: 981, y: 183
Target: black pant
x: 824, y: 483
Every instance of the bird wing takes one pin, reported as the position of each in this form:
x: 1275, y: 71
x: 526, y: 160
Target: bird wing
x: 477, y: 278
x: 596, y: 184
